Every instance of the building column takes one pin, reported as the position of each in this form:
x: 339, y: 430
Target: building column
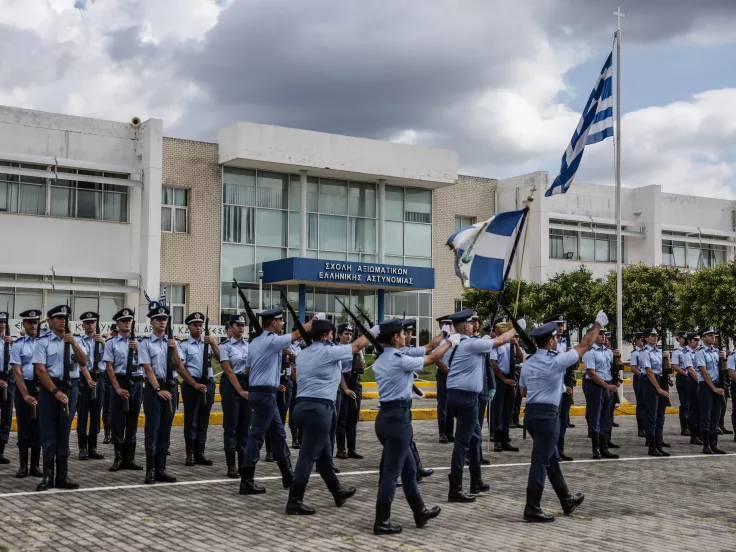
x: 302, y: 302
x: 302, y: 221
x: 381, y: 226
x: 381, y: 297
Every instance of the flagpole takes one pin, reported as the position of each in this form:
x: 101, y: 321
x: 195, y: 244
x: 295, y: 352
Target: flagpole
x: 619, y: 249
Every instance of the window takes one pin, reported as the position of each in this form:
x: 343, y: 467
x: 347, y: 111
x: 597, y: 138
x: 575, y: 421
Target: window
x: 176, y: 301
x: 463, y: 222
x: 583, y: 242
x: 174, y: 208
x: 687, y: 254
x: 418, y: 206
x: 459, y: 305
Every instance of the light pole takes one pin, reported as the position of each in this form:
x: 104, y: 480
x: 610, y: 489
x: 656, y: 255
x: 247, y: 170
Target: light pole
x: 260, y: 290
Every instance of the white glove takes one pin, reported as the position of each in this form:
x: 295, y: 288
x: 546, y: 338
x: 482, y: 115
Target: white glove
x: 602, y: 319
x: 454, y: 339
x: 522, y: 324
x: 320, y: 316
x: 446, y: 329
x: 486, y: 337
x: 375, y: 330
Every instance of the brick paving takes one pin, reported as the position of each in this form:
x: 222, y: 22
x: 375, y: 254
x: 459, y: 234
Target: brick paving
x: 681, y: 503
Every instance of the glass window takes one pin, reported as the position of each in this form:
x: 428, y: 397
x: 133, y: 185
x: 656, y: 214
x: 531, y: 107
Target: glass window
x: 362, y: 200
x: 239, y: 187
x: 463, y: 222
x: 425, y: 304
x: 418, y: 239
x: 84, y: 304
x: 333, y: 196
x: 31, y: 199
x: 110, y: 304
x: 271, y: 227
x: 238, y: 262
x: 394, y: 238
x: 238, y: 224
x: 63, y: 200
x: 264, y: 254
x: 418, y: 205
x: 294, y: 222
x: 332, y: 256
x: 295, y: 188
x: 693, y: 256
x: 394, y: 203
x: 7, y: 301
x: 362, y: 235
x: 412, y: 304
x: 28, y: 300
x: 272, y: 190
x: 415, y: 261
x: 332, y: 233
x: 392, y: 260
x: 424, y: 326
x: 587, y: 247
x: 176, y: 301
x: 174, y: 210
x: 602, y: 252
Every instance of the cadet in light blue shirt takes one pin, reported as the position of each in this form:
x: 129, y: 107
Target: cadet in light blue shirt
x: 638, y: 343
x: 349, y: 397
x: 7, y: 388
x: 598, y: 391
x: 679, y: 361
x: 504, y: 399
x: 92, y: 391
x: 710, y: 394
x: 654, y: 399
x: 541, y: 380
x: 264, y: 367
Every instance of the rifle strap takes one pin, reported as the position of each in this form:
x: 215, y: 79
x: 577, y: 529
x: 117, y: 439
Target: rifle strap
x: 452, y: 355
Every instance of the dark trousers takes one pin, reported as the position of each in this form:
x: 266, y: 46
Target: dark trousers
x: 124, y: 425
x: 710, y: 408
x: 314, y: 419
x: 54, y: 423
x: 348, y: 416
x: 446, y: 423
x: 394, y: 431
x: 682, y: 393
x: 159, y: 416
x: 88, y: 410
x: 265, y: 419
x: 502, y: 405
x: 654, y: 406
x: 6, y: 411
x: 482, y: 407
x: 333, y: 427
x: 196, y: 412
x: 639, y: 409
x: 236, y: 416
x: 564, y: 418
x: 516, y: 410
x: 106, y: 410
x: 292, y: 403
x: 543, y: 424
x: 29, y: 431
x: 283, y: 399
x: 598, y: 408
x: 693, y: 413
x: 463, y: 405
x: 733, y: 405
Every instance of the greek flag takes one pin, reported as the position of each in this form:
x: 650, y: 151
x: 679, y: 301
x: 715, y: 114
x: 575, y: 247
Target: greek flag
x: 482, y: 251
x: 595, y: 125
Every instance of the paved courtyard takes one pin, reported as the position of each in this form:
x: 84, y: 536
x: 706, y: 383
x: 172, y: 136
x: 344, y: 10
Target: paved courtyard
x: 686, y: 502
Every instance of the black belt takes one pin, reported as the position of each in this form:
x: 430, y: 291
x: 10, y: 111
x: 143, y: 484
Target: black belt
x: 462, y: 392
x: 57, y: 381
x: 314, y: 399
x: 134, y: 379
x: 197, y: 381
x: 263, y: 389
x: 395, y: 405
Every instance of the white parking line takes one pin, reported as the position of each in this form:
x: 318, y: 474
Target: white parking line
x: 344, y: 474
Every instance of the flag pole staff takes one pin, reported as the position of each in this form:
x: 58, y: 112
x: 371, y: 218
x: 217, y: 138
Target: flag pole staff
x: 527, y: 204
x: 619, y: 249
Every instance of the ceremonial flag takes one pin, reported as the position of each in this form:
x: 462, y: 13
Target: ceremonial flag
x: 596, y: 124
x: 483, y: 251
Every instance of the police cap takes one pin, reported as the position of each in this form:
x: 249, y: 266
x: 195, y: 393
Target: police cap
x: 194, y: 317
x: 410, y: 323
x: 638, y: 335
x: 462, y: 316
x: 444, y: 319
x: 61, y: 310
x: 341, y: 328
x: 123, y: 315
x: 545, y: 331
x: 237, y: 319
x: 390, y: 327
x: 707, y: 330
x: 556, y: 318
x: 89, y: 316
x: 3, y: 316
x: 692, y: 335
x: 649, y: 331
x: 322, y: 326
x: 158, y: 311
x: 272, y: 314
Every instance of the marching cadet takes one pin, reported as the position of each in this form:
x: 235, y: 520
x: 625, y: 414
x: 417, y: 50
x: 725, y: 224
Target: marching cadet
x: 394, y: 372
x: 264, y: 358
x: 679, y: 364
x: 567, y: 383
x: 634, y: 367
x: 318, y: 373
x: 347, y: 424
x: 445, y: 423
x: 598, y: 391
x: 503, y: 400
x: 693, y: 343
x: 56, y: 407
x: 541, y: 380
x: 283, y: 396
x: 485, y: 398
x: 109, y: 392
x: 198, y: 397
x: 7, y: 386
x: 652, y: 395
x: 157, y: 399
x: 731, y: 366
x: 464, y: 383
x: 709, y: 394
x: 87, y: 407
x: 295, y: 348
x: 234, y: 394
x: 125, y: 404
x: 26, y: 403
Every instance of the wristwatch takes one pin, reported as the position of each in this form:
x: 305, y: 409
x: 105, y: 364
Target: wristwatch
x: 55, y: 390
x: 158, y: 390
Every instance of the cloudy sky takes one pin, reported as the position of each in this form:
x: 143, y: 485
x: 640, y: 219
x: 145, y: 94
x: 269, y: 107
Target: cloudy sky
x: 500, y: 81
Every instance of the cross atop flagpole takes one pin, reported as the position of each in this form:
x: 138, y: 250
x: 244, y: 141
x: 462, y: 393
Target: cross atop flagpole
x: 619, y: 251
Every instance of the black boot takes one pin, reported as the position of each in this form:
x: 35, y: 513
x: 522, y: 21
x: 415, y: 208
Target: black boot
x: 694, y: 436
x: 719, y: 431
x: 611, y: 444
x: 652, y: 444
x: 339, y: 493
x: 82, y: 441
x: 106, y: 440
x: 48, y: 476
x: 199, y: 458
x: 150, y: 469
x: 189, y: 446
x: 569, y: 502
x: 497, y: 441
x: 161, y: 474
x: 533, y: 511
x: 423, y: 472
x: 516, y: 422
x: 294, y: 442
x: 422, y: 514
x: 506, y: 443
x: 450, y: 437
x: 561, y: 456
x: 295, y: 506
x: 614, y: 424
x: 117, y: 463
x: 232, y: 469
x: 129, y: 457
x: 714, y: 444
x: 685, y: 432
x: 658, y: 443
x: 269, y: 456
x: 594, y: 441
x: 477, y: 485
x: 605, y: 453
x: 570, y: 425
x: 3, y: 460
x: 62, y: 475
x: 382, y: 525
x: 23, y: 468
x: 342, y: 454
x: 443, y: 438
x: 354, y: 454
x: 286, y: 472
x: 92, y: 447
x: 456, y: 493
x: 640, y: 431
x: 35, y: 470
x: 247, y: 485
x: 705, y: 436
x: 725, y: 431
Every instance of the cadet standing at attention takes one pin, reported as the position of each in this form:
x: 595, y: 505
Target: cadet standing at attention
x: 731, y: 366
x: 7, y: 387
x: 598, y: 391
x: 693, y: 418
x: 466, y: 362
x: 125, y: 404
x: 445, y: 423
x: 394, y: 374
x: 264, y: 361
x: 234, y: 395
x: 56, y: 408
x: 503, y: 400
x: 109, y: 392
x: 88, y: 407
x: 634, y: 367
x: 26, y: 403
x: 541, y: 379
x: 318, y: 373
x: 679, y: 366
x: 295, y: 348
x: 568, y: 381
x: 347, y: 420
x: 198, y: 397
x: 653, y: 397
x: 709, y: 394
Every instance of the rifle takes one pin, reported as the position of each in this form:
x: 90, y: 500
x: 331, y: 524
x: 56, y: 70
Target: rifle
x: 618, y: 366
x: 65, y: 383
x: 5, y: 376
x: 664, y: 379
x: 364, y: 315
x: 206, y: 361
x: 249, y: 311
x: 169, y: 366
x: 570, y: 380
x: 96, y: 359
x: 722, y: 375
x: 302, y: 332
x: 126, y: 385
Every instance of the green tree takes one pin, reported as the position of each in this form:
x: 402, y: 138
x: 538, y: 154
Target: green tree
x: 569, y: 293
x: 708, y: 298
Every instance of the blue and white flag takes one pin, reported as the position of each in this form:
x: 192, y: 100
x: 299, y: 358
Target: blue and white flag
x: 596, y: 124
x: 482, y: 251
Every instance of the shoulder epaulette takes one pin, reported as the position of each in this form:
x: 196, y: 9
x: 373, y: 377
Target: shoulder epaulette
x: 398, y: 354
